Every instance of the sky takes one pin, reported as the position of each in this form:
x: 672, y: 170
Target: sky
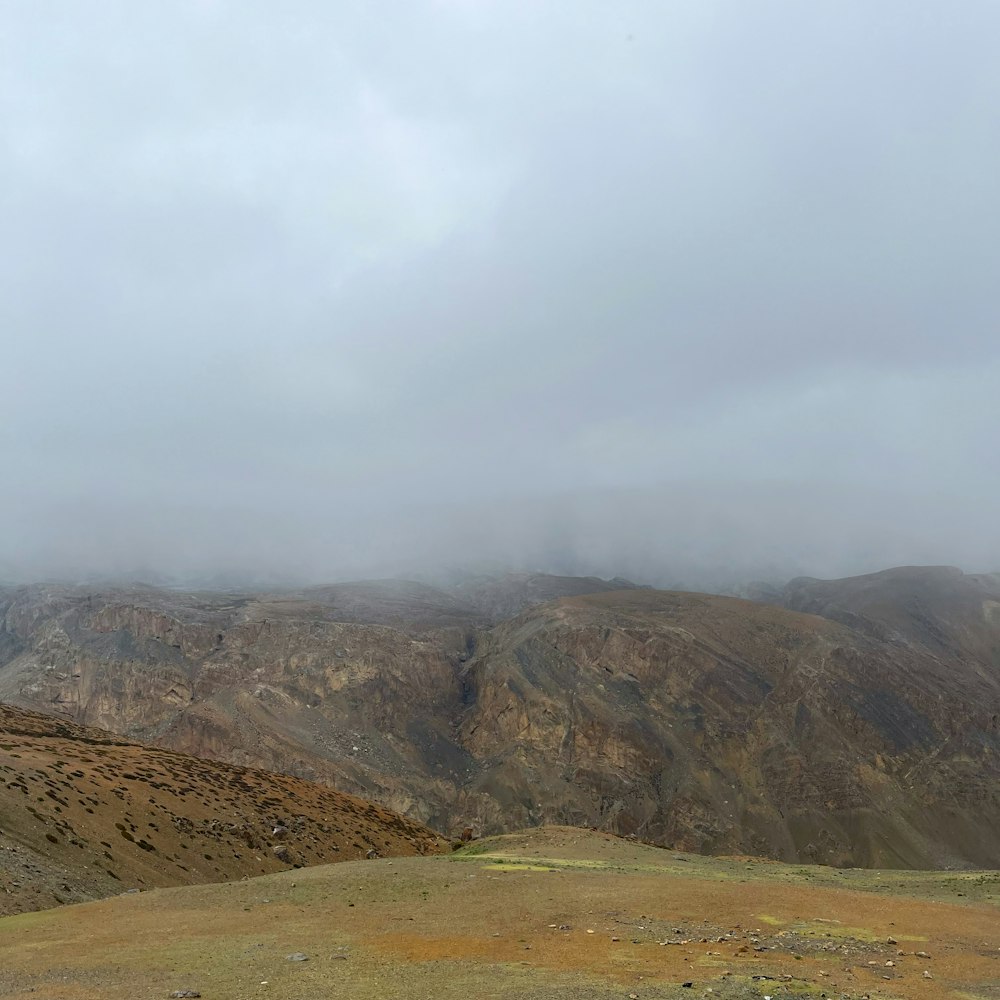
x: 695, y: 292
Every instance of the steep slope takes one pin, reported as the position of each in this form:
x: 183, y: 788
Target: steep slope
x: 725, y: 726
x: 948, y: 612
x: 357, y: 685
x: 286, y: 682
x: 85, y: 814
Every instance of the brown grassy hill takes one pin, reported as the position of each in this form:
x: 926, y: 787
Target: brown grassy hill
x: 86, y: 814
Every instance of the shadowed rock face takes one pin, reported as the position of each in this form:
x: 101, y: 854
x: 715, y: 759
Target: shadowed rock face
x: 84, y: 813
x: 864, y: 733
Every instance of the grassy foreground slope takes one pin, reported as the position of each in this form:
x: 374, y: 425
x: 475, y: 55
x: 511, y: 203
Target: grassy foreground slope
x: 553, y: 913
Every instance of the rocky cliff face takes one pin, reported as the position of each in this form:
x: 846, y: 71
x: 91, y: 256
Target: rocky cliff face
x: 723, y: 726
x: 864, y: 733
x: 264, y: 682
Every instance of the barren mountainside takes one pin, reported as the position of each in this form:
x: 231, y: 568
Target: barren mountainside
x: 855, y: 725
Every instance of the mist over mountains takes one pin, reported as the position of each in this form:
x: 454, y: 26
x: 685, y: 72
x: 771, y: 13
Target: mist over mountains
x: 717, y: 539
x: 692, y: 294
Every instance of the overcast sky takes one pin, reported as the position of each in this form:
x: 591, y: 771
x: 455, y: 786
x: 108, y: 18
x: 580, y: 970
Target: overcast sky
x: 684, y: 290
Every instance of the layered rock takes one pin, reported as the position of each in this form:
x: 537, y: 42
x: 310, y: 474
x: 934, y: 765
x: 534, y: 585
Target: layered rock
x: 864, y: 733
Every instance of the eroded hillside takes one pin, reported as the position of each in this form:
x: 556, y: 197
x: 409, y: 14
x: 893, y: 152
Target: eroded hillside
x: 841, y: 730
x: 719, y: 725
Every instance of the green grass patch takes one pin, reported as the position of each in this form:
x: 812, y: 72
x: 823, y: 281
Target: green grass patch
x: 500, y: 866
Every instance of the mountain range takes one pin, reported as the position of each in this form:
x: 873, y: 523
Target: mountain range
x: 850, y: 722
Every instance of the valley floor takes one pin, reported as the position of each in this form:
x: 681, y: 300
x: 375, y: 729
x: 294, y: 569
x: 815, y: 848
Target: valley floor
x: 551, y: 913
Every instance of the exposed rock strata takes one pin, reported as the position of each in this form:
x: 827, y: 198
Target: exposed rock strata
x: 856, y: 726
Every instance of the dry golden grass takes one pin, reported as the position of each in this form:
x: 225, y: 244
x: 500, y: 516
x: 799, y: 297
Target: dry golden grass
x: 567, y: 914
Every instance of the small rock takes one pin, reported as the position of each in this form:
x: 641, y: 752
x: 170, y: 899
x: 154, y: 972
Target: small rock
x: 296, y: 956
x: 689, y: 986
x: 921, y: 954
x: 890, y: 964
x: 178, y: 994
x: 927, y: 975
x: 891, y: 940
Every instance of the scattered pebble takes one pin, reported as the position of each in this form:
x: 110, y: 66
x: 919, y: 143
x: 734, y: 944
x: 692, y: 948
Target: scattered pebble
x: 296, y: 956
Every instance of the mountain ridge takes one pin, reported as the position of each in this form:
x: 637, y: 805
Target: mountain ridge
x: 849, y: 722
